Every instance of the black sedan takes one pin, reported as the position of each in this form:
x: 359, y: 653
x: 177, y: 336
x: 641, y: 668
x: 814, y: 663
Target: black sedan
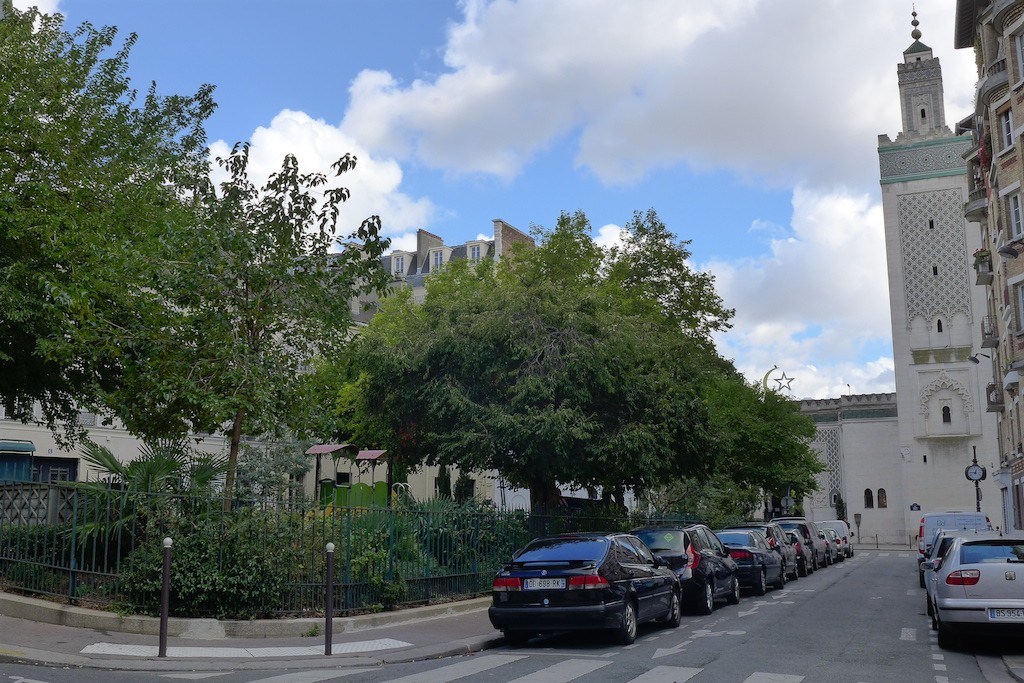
x: 583, y: 581
x: 758, y: 564
x: 700, y: 560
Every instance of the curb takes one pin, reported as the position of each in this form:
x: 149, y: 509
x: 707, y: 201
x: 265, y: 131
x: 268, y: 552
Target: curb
x: 43, y: 611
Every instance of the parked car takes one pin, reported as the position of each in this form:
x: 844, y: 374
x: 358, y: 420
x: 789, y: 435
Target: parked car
x: 951, y: 519
x: 759, y: 565
x: 938, y: 547
x: 842, y: 530
x: 835, y: 547
x: 809, y: 536
x: 779, y: 542
x: 701, y: 562
x: 803, y: 553
x: 977, y: 587
x: 583, y: 581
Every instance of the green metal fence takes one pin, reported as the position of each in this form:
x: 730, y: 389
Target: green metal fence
x: 102, y: 546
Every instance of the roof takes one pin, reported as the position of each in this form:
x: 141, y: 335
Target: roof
x: 16, y: 446
x: 321, y: 448
x: 372, y: 455
x: 917, y: 46
x: 966, y: 22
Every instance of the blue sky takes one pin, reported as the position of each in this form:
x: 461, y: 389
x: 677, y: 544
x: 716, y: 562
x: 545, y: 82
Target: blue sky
x: 750, y: 126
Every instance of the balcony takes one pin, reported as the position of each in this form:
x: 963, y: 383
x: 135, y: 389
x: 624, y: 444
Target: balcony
x: 996, y: 77
x: 994, y: 398
x: 976, y: 208
x: 989, y: 333
x: 983, y: 270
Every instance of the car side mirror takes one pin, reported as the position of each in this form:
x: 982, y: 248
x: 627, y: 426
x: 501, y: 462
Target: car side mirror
x: 660, y: 562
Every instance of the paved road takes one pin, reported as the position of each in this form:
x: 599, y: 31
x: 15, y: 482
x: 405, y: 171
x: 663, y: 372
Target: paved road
x: 861, y: 621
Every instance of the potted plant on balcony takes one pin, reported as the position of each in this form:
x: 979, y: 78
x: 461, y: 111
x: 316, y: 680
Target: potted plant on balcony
x: 981, y: 256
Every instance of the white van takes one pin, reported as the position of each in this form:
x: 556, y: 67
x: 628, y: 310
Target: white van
x: 952, y: 520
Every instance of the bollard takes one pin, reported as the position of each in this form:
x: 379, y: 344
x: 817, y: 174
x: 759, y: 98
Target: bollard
x: 876, y: 541
x: 165, y: 598
x: 329, y: 600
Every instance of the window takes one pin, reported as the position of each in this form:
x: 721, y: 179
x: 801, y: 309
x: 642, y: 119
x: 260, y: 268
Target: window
x: 474, y: 253
x: 938, y: 326
x: 438, y: 259
x: 882, y: 502
x: 935, y: 270
x: 1018, y: 45
x: 86, y: 419
x: 1006, y: 128
x: 1016, y: 216
x: 869, y: 498
x: 399, y: 265
x: 947, y: 418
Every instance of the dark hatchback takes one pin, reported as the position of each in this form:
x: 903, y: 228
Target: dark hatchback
x: 700, y: 560
x: 583, y: 581
x: 759, y: 565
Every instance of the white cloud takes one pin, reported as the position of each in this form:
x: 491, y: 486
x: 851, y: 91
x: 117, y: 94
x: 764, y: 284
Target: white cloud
x: 44, y: 6
x: 609, y: 236
x: 821, y: 294
x: 374, y: 183
x: 765, y: 88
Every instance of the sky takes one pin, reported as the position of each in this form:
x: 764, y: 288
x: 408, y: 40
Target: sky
x: 750, y: 126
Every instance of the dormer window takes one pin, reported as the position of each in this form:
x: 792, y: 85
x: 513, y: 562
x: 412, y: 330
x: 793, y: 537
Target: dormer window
x: 400, y: 265
x: 437, y: 260
x: 474, y: 253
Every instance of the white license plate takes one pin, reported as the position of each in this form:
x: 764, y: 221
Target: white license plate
x: 543, y: 584
x: 1001, y: 614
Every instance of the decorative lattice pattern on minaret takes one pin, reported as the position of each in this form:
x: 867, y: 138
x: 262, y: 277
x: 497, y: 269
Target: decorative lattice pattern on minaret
x: 944, y: 381
x: 932, y: 236
x: 826, y: 444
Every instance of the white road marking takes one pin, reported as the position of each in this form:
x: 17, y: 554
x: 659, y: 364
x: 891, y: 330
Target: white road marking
x: 761, y: 677
x: 908, y: 634
x: 939, y: 667
x: 454, y: 672
x: 938, y: 657
x: 883, y: 554
x: 197, y: 676
x: 569, y: 670
x: 310, y: 676
x: 666, y: 651
x: 667, y: 674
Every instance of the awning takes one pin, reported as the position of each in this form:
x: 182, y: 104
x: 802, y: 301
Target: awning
x: 374, y: 456
x: 17, y: 446
x: 322, y: 448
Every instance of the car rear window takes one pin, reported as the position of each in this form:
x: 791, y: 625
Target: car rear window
x: 664, y: 540
x: 992, y: 551
x: 564, y: 550
x: 735, y: 537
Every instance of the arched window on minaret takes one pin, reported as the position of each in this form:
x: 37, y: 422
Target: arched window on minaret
x: 869, y: 498
x: 947, y: 416
x: 938, y: 326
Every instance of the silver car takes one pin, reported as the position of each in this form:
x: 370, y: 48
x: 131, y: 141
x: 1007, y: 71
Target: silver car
x: 978, y: 587
x: 936, y: 549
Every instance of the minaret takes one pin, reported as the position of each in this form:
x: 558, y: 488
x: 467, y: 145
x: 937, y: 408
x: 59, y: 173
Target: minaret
x: 936, y: 308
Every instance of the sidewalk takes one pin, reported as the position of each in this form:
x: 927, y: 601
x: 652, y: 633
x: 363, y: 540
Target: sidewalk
x: 41, y: 631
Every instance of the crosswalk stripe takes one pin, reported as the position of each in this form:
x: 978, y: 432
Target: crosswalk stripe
x: 454, y: 672
x: 569, y: 670
x: 761, y: 677
x: 310, y: 676
x: 667, y: 674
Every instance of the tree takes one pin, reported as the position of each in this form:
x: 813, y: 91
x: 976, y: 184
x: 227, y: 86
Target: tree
x: 86, y: 178
x: 544, y: 368
x: 248, y: 293
x: 271, y: 470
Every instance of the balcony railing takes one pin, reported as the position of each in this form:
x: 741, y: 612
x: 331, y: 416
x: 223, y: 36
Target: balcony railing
x: 989, y: 333
x: 994, y: 398
x: 983, y: 269
x: 976, y: 208
x: 995, y: 78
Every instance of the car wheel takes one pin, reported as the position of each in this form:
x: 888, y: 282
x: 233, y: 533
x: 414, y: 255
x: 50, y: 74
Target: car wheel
x: 707, y: 604
x: 734, y: 592
x: 626, y: 633
x: 674, y: 616
x: 517, y: 638
x: 935, y: 619
x: 814, y: 563
x: 947, y: 641
x: 801, y: 567
x: 781, y: 583
x: 928, y: 605
x: 920, y: 578
x: 761, y: 587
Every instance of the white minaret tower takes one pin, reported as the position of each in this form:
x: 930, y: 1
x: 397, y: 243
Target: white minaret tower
x: 936, y: 307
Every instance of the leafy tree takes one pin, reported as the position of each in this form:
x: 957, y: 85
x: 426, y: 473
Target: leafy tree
x: 544, y: 368
x: 87, y: 170
x: 250, y: 292
x: 271, y: 470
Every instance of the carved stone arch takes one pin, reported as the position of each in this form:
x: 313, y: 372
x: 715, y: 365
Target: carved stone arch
x: 944, y: 381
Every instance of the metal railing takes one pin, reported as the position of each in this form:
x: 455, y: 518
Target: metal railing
x: 102, y: 546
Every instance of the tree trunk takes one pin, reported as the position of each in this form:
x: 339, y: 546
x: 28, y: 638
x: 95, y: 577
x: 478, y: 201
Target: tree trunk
x: 545, y: 498
x: 236, y: 438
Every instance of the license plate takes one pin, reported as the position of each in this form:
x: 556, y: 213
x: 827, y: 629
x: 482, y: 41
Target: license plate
x: 543, y: 584
x: 1001, y: 614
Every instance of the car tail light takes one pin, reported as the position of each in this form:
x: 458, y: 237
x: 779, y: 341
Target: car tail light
x: 740, y: 554
x: 772, y: 543
x: 963, y: 577
x: 588, y: 581
x: 694, y: 557
x: 507, y: 583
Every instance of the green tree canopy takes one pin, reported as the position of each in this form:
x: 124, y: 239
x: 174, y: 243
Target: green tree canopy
x: 555, y: 365
x: 87, y: 171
